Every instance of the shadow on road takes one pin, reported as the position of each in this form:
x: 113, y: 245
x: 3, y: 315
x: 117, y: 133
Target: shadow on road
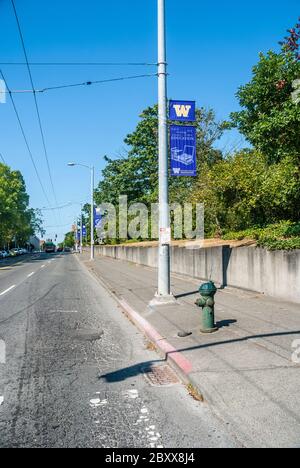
x: 132, y: 371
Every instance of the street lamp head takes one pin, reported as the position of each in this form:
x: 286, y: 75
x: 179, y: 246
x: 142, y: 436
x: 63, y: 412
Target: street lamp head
x: 71, y: 164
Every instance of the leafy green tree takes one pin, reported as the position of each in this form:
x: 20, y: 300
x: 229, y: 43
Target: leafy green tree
x: 69, y: 240
x: 17, y: 221
x: 136, y: 175
x: 245, y: 190
x: 269, y: 118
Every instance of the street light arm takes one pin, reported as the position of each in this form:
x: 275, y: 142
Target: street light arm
x: 79, y: 164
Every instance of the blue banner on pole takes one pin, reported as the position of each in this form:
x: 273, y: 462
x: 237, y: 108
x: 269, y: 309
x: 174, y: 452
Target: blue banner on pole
x: 183, y: 145
x: 182, y: 111
x: 98, y: 218
x: 83, y: 231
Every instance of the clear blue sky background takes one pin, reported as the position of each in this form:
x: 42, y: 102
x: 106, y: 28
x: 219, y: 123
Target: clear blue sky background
x: 212, y: 47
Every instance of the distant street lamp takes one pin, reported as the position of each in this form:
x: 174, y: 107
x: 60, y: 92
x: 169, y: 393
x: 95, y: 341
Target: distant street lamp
x: 92, y: 170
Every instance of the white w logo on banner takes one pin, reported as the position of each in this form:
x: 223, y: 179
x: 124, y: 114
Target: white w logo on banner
x: 176, y: 170
x: 182, y: 111
x: 2, y: 92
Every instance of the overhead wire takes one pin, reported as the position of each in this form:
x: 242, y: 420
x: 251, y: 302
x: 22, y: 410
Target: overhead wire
x: 35, y: 100
x: 25, y: 138
x: 81, y: 64
x: 85, y: 83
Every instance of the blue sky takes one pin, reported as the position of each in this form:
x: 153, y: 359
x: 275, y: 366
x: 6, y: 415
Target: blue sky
x: 212, y: 47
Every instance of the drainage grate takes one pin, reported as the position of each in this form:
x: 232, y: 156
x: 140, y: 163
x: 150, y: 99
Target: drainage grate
x: 161, y: 376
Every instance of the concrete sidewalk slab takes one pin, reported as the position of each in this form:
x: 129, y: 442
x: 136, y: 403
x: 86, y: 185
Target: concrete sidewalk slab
x: 245, y: 371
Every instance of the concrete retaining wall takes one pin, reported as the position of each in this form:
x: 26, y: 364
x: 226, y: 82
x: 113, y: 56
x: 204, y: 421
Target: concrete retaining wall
x: 275, y: 274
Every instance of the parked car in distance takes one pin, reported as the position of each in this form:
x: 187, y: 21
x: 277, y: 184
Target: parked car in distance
x: 4, y: 254
x: 68, y: 249
x: 14, y: 252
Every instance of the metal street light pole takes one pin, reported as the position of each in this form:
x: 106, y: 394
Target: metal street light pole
x: 92, y: 212
x: 81, y: 237
x: 92, y: 169
x: 164, y: 284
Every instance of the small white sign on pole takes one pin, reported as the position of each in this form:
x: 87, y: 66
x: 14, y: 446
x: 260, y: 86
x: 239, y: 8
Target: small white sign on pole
x: 165, y: 236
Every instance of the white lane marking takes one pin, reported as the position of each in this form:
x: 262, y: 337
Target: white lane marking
x: 96, y: 403
x: 154, y: 438
x: 132, y: 394
x: 7, y: 290
x: 1, y: 400
x: 43, y: 266
x: 30, y: 274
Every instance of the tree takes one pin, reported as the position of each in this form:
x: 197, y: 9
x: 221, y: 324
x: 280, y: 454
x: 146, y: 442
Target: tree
x: 245, y: 190
x: 270, y: 120
x: 136, y: 175
x: 16, y: 219
x: 69, y: 240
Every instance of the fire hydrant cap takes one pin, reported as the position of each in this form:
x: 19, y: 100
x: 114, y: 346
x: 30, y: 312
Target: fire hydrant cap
x: 208, y: 289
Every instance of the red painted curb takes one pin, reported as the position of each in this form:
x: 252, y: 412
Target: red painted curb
x: 184, y: 365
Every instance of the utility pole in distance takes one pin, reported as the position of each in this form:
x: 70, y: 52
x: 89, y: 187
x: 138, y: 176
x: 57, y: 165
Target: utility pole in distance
x: 81, y: 236
x: 92, y: 213
x: 92, y: 171
x: 164, y: 284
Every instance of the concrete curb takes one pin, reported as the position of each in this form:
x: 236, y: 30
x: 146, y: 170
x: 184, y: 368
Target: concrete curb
x: 182, y: 365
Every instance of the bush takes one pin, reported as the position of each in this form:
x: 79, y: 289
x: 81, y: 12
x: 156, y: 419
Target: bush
x: 281, y: 236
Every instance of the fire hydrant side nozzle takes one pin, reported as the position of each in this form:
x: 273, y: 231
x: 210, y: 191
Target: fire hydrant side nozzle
x: 207, y: 303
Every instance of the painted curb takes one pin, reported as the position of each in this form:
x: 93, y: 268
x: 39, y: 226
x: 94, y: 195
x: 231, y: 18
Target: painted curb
x: 174, y: 357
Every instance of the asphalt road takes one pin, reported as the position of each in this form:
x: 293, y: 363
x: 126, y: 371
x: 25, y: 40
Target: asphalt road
x: 73, y: 375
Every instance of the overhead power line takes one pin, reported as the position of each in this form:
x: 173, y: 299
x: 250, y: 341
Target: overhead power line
x: 25, y: 139
x: 2, y: 159
x: 35, y: 100
x: 81, y: 64
x: 85, y: 83
x: 57, y: 207
x: 66, y: 205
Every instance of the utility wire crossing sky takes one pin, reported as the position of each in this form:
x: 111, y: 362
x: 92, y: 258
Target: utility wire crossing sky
x: 63, y: 44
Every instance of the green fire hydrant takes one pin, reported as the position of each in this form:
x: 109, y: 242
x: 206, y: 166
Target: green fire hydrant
x: 207, y: 302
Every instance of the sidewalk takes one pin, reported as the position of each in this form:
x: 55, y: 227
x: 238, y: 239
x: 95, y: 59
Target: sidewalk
x: 245, y: 370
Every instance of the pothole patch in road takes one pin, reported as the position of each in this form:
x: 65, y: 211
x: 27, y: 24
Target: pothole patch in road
x: 161, y: 376
x: 87, y: 334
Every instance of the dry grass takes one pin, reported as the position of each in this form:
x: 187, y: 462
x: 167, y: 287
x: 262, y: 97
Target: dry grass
x: 194, y: 393
x: 150, y: 346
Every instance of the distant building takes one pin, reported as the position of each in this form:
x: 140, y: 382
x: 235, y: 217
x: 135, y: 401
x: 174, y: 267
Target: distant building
x: 35, y: 243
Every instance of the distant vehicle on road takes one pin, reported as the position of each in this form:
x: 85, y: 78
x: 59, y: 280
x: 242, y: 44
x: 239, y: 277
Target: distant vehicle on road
x: 49, y: 247
x: 59, y: 249
x: 14, y: 252
x: 4, y: 254
x: 68, y: 249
